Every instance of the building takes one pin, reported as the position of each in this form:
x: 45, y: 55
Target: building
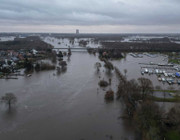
x: 77, y: 31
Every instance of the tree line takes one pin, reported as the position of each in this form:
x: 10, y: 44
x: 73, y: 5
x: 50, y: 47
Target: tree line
x: 150, y: 121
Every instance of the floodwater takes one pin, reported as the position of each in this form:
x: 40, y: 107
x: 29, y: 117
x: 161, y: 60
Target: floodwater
x: 8, y: 38
x: 73, y: 43
x: 67, y: 106
x: 133, y: 67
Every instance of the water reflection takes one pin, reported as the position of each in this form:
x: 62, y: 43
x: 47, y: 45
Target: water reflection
x: 108, y: 73
x: 61, y: 70
x: 9, y: 113
x: 68, y: 58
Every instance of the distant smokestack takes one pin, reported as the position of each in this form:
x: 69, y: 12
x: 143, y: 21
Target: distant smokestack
x: 77, y: 31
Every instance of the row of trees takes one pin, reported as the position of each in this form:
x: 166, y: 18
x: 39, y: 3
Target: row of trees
x: 107, y: 64
x: 110, y: 53
x: 150, y: 120
x: 141, y: 47
x: 109, y: 95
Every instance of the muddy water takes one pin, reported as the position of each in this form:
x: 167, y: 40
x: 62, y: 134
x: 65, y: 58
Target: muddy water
x: 69, y: 105
x: 66, y: 42
x: 66, y: 106
x: 133, y: 67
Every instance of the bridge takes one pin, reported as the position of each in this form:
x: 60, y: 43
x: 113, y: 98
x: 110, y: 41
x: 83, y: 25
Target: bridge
x: 76, y: 49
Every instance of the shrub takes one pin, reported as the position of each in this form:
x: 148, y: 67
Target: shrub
x: 109, y: 95
x: 62, y: 63
x: 45, y: 66
x: 103, y: 83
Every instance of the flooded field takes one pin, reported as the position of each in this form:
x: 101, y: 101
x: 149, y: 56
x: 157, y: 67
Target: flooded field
x: 7, y: 38
x: 73, y: 43
x: 70, y: 105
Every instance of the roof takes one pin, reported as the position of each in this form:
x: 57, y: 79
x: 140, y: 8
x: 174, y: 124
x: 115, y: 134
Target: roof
x: 177, y: 74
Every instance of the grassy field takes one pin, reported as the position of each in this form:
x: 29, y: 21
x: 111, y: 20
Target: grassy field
x: 158, y: 99
x: 173, y: 135
x: 168, y: 91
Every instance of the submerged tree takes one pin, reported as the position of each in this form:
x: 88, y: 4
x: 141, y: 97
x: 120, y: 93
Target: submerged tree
x: 69, y: 51
x: 97, y: 65
x: 109, y: 95
x: 63, y: 64
x: 9, y: 99
x: 60, y: 54
x: 64, y: 53
x: 108, y: 65
x: 103, y: 83
x: 54, y: 59
x: 125, y: 72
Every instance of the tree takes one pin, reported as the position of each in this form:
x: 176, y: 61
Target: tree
x: 103, y: 83
x: 108, y: 65
x: 146, y: 86
x: 37, y: 67
x: 97, y: 65
x: 62, y: 64
x: 125, y: 72
x: 110, y: 80
x: 9, y: 98
x: 173, y: 119
x: 28, y: 65
x: 109, y: 95
x: 148, y: 119
x: 53, y: 59
x: 131, y: 95
x: 69, y: 51
x: 64, y: 53
x: 60, y: 54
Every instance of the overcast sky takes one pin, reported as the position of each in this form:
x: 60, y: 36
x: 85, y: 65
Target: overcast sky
x: 96, y: 16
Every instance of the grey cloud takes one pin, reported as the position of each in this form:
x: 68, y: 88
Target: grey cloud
x: 86, y: 12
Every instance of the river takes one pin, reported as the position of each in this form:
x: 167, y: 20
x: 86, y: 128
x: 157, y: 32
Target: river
x: 67, y: 106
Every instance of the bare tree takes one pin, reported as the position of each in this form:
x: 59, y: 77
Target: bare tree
x: 9, y: 98
x: 103, y: 83
x: 146, y: 86
x: 69, y: 51
x: 108, y: 65
x: 63, y: 64
x: 97, y: 66
x: 109, y: 95
x: 125, y: 72
x: 173, y: 119
x: 148, y: 119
